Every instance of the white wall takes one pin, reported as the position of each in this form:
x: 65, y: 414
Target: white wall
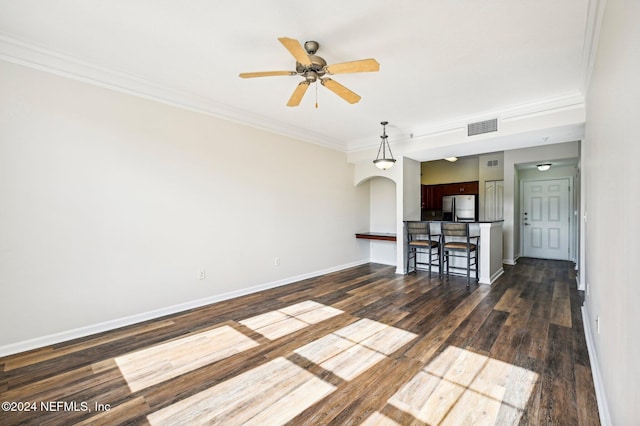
x: 410, y: 205
x: 383, y: 219
x: 486, y: 173
x: 112, y: 204
x: 610, y: 174
x: 556, y: 172
x: 513, y: 157
x: 406, y: 175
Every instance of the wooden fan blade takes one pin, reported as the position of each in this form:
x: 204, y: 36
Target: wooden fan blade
x: 297, y: 95
x: 295, y: 48
x: 265, y: 73
x: 340, y: 90
x: 363, y: 65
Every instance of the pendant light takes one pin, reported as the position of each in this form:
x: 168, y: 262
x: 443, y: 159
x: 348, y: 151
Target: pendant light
x: 385, y: 162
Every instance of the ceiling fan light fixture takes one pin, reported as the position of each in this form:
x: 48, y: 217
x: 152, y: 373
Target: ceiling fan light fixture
x: 544, y: 167
x: 384, y: 162
x: 452, y: 159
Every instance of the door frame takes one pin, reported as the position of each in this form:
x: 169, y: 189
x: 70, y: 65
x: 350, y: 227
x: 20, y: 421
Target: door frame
x: 572, y: 214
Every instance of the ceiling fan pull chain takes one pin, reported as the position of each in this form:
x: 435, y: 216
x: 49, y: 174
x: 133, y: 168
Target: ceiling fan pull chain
x: 316, y: 95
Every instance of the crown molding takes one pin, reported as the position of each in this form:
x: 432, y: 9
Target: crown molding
x: 29, y: 55
x: 519, y: 112
x: 595, y: 13
x: 26, y: 54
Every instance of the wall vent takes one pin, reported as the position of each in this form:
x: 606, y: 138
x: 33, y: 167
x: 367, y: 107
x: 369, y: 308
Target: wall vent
x: 482, y: 127
x: 492, y: 163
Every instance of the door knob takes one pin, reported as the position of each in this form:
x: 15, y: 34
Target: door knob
x: 526, y: 224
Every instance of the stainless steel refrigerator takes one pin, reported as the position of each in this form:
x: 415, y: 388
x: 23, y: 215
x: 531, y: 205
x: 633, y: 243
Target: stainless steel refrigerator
x: 460, y: 208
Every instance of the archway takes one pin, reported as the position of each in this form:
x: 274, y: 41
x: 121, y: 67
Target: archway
x: 381, y: 218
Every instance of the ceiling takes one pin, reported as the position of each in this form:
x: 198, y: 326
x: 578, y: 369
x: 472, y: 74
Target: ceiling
x: 440, y: 61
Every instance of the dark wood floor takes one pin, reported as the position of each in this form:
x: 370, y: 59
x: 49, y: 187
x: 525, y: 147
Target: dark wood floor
x: 513, y: 353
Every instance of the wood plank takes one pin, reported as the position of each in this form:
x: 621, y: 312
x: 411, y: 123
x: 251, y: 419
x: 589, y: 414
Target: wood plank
x: 125, y: 413
x: 561, y: 304
x: 426, y: 346
x: 159, y: 363
x: 35, y: 357
x: 375, y: 348
x: 558, y: 404
x: 586, y: 401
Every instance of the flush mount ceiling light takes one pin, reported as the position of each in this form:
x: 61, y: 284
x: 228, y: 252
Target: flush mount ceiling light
x: 452, y: 159
x: 544, y: 167
x: 385, y: 162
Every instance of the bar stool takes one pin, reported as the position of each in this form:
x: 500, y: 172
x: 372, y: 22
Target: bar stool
x: 457, y: 239
x: 421, y: 240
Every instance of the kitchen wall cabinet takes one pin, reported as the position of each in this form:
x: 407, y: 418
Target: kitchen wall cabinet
x: 494, y: 200
x: 432, y: 197
x: 463, y: 188
x: 432, y: 194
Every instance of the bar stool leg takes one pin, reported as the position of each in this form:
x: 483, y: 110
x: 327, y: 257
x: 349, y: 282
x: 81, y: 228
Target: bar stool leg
x: 477, y: 264
x: 468, y: 267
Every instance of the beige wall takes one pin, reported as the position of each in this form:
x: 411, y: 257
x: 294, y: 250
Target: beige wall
x: 610, y: 175
x: 443, y: 171
x: 112, y: 204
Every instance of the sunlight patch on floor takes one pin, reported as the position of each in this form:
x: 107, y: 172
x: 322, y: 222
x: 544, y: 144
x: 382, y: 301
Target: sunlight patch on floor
x: 162, y: 362
x: 379, y: 419
x: 353, y: 349
x: 463, y: 387
x: 281, y: 322
x: 272, y: 393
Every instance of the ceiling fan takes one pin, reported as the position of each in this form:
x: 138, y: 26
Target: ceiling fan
x: 314, y: 68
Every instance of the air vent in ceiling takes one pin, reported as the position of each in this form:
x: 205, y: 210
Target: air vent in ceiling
x: 482, y: 127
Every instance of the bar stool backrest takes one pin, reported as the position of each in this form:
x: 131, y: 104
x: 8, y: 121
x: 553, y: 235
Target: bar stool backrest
x: 415, y: 229
x: 455, y: 229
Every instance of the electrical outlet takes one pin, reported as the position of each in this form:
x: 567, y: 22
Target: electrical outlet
x: 276, y: 261
x: 203, y: 274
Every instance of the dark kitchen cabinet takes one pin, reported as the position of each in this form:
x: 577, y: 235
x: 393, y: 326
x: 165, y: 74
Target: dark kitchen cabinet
x: 438, y: 192
x: 463, y: 188
x: 432, y: 194
x: 428, y: 196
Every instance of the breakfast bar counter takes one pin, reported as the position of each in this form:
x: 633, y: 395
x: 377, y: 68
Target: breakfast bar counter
x: 490, y: 248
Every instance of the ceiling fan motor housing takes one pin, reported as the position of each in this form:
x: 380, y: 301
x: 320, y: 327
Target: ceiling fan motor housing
x: 311, y: 47
x: 317, y: 65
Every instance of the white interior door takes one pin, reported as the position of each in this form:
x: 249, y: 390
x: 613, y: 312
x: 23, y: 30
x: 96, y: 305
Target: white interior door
x: 499, y: 200
x: 546, y: 219
x: 494, y: 200
x: 490, y: 200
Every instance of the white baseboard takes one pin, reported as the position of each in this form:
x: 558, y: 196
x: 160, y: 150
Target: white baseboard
x: 512, y: 261
x: 496, y: 275
x: 603, y: 407
x: 51, y: 339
